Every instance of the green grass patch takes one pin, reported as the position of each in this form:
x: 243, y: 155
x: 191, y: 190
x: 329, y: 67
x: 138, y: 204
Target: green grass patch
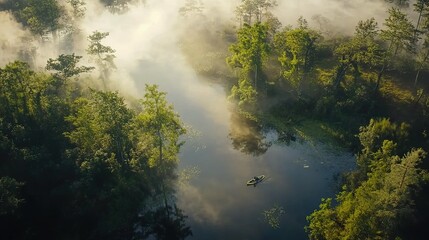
x: 317, y: 131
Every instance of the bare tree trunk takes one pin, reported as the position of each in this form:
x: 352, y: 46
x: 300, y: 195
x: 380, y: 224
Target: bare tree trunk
x: 385, y: 64
x: 256, y: 77
x: 161, y: 161
x: 418, y: 20
x: 416, y: 79
x: 403, y: 177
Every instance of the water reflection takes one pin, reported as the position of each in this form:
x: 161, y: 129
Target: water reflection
x: 163, y: 223
x: 220, y: 204
x: 246, y: 135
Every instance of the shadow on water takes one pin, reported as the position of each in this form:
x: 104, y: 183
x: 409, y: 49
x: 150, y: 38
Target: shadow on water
x: 251, y: 137
x: 247, y: 136
x: 163, y: 223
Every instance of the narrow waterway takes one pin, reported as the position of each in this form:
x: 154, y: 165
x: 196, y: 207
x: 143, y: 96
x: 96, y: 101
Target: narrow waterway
x: 216, y: 199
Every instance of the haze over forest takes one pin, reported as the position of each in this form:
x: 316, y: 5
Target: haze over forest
x: 143, y: 119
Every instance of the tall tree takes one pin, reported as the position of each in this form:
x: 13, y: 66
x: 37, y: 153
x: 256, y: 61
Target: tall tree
x: 297, y: 50
x: 104, y: 55
x: 422, y: 30
x: 163, y: 130
x: 66, y: 66
x: 250, y: 52
x: 360, y: 50
x: 253, y: 11
x: 399, y: 35
x: 422, y: 8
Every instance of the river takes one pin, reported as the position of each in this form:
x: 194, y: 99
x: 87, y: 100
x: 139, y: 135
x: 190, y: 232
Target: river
x: 216, y: 199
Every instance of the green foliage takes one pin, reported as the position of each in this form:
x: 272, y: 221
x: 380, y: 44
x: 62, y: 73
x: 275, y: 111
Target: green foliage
x: 297, y: 51
x: 103, y: 54
x: 360, y: 51
x: 10, y: 198
x: 323, y: 223
x: 253, y: 11
x: 375, y: 207
x: 372, y: 136
x: 252, y: 48
x: 65, y: 66
x: 105, y: 117
x: 249, y: 54
x: 81, y: 164
x: 163, y: 128
x: 244, y: 92
x: 399, y: 32
x: 41, y: 16
x: 96, y: 48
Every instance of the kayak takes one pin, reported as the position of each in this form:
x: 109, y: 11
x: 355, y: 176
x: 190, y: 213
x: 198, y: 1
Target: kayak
x: 254, y: 181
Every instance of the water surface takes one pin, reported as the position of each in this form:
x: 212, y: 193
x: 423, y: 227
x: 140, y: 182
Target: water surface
x: 217, y: 200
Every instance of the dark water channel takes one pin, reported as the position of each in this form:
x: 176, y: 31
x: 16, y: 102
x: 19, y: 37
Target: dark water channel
x: 216, y: 198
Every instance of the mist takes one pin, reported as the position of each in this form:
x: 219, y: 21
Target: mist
x: 147, y: 41
x: 337, y: 16
x: 151, y: 31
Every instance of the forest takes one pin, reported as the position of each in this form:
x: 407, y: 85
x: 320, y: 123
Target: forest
x: 83, y: 157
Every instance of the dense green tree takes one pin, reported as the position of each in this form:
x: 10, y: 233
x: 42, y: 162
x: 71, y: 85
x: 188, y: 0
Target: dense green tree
x: 42, y: 16
x: 360, y: 50
x: 103, y: 149
x: 297, y: 50
x: 375, y: 208
x: 163, y: 129
x: 250, y: 52
x: 104, y: 117
x: 372, y: 138
x: 245, y: 93
x: 31, y: 151
x: 66, y: 66
x: 77, y: 171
